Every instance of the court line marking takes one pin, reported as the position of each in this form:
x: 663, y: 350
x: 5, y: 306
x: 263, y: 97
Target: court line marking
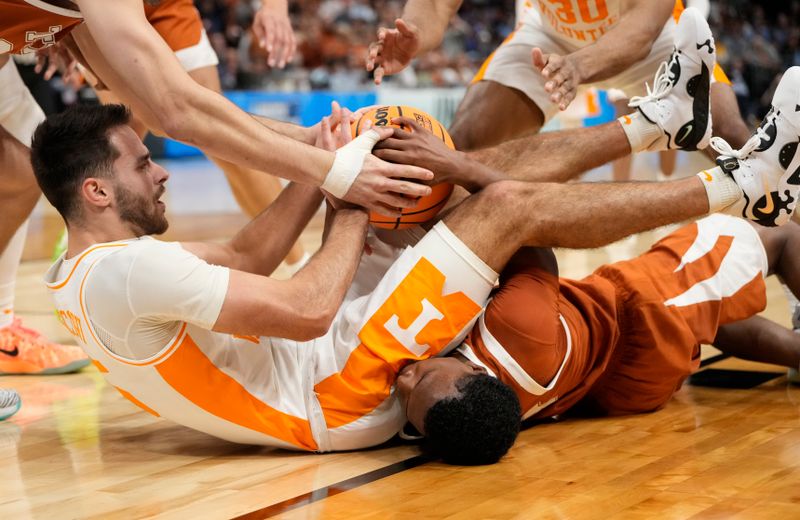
x: 380, y: 473
x: 335, y: 489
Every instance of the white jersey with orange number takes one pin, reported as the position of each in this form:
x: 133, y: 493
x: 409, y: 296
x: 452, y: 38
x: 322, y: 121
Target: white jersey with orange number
x: 143, y: 310
x: 578, y: 22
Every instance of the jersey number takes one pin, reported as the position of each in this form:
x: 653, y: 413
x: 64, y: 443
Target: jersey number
x: 589, y: 14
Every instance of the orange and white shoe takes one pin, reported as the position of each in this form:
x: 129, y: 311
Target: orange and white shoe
x: 25, y: 351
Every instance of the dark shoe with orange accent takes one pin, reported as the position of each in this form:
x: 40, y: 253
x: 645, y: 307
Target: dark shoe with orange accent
x: 767, y: 167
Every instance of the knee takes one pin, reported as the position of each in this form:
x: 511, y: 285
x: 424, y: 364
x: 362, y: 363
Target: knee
x: 507, y: 196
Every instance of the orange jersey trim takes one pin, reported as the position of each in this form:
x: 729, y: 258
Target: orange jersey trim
x: 482, y: 71
x: 57, y: 286
x: 131, y: 398
x: 189, y: 371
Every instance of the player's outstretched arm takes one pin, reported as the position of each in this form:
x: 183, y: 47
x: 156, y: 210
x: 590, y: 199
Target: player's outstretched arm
x: 303, y: 307
x: 261, y: 245
x: 420, y: 29
x: 629, y: 41
x: 132, y: 59
x: 547, y: 157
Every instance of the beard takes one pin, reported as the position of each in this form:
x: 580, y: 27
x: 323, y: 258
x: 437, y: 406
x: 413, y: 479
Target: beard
x: 142, y: 213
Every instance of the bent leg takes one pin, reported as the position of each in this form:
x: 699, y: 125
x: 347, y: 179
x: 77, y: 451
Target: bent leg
x: 491, y: 113
x: 507, y: 215
x: 759, y: 339
x: 727, y: 120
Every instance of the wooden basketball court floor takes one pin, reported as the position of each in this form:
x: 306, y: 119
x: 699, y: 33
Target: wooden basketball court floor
x: 77, y: 449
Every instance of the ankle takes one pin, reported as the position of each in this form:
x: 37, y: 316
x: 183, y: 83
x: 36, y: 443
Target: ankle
x: 641, y: 133
x: 721, y: 189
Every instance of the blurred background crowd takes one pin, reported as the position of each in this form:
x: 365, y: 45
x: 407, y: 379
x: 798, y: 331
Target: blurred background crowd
x: 757, y: 41
x: 332, y: 39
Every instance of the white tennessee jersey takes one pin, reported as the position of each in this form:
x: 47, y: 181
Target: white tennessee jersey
x: 576, y: 23
x: 143, y: 311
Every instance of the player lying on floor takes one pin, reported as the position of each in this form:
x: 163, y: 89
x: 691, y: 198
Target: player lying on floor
x: 620, y: 341
x: 195, y: 332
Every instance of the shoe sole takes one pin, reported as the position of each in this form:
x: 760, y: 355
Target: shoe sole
x: 8, y: 411
x: 693, y: 133
x: 26, y: 369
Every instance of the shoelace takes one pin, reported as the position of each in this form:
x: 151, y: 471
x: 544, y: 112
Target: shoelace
x: 662, y: 84
x: 724, y: 148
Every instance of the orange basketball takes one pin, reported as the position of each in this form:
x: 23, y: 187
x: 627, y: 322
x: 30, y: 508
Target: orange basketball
x: 427, y: 207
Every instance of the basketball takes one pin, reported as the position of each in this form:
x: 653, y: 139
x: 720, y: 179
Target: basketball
x: 428, y: 206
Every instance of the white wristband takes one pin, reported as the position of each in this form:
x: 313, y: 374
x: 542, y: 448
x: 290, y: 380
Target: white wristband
x: 348, y: 162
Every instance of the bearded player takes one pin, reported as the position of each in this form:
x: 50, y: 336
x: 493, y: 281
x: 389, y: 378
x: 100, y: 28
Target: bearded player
x: 309, y: 363
x: 127, y: 55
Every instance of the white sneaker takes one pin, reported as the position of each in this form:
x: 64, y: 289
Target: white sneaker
x: 9, y: 403
x: 767, y: 167
x: 679, y: 102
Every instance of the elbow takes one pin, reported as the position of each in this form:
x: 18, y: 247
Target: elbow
x: 313, y: 323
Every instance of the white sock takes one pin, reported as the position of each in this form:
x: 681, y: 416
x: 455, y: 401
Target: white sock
x: 640, y: 132
x: 721, y: 189
x: 9, y: 262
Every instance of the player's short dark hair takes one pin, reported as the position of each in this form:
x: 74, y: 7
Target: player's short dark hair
x: 69, y: 147
x: 476, y: 427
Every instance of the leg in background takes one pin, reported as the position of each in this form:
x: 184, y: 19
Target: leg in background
x: 491, y: 113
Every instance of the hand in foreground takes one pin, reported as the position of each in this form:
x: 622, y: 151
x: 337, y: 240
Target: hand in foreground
x: 273, y: 30
x: 394, y: 49
x: 379, y: 186
x: 562, y: 75
x: 420, y: 148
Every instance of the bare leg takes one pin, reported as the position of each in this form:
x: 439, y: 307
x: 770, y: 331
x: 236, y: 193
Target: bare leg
x: 621, y: 168
x: 757, y: 338
x: 666, y: 161
x: 491, y: 113
x: 728, y: 122
x: 253, y: 190
x: 18, y: 189
x: 508, y: 215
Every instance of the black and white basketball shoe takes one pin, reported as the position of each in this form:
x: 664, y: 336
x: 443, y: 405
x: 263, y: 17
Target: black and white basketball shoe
x: 767, y: 167
x: 679, y: 101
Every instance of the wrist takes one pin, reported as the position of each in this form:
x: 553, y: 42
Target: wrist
x: 275, y: 4
x: 582, y: 66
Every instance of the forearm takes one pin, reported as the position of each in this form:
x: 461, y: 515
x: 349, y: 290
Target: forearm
x: 553, y: 156
x: 329, y: 273
x: 629, y: 41
x: 296, y: 132
x: 145, y: 74
x: 431, y: 18
x: 263, y: 243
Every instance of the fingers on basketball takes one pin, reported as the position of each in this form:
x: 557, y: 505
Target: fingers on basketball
x: 409, y: 119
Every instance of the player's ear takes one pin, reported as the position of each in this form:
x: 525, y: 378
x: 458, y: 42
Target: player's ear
x: 96, y: 192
